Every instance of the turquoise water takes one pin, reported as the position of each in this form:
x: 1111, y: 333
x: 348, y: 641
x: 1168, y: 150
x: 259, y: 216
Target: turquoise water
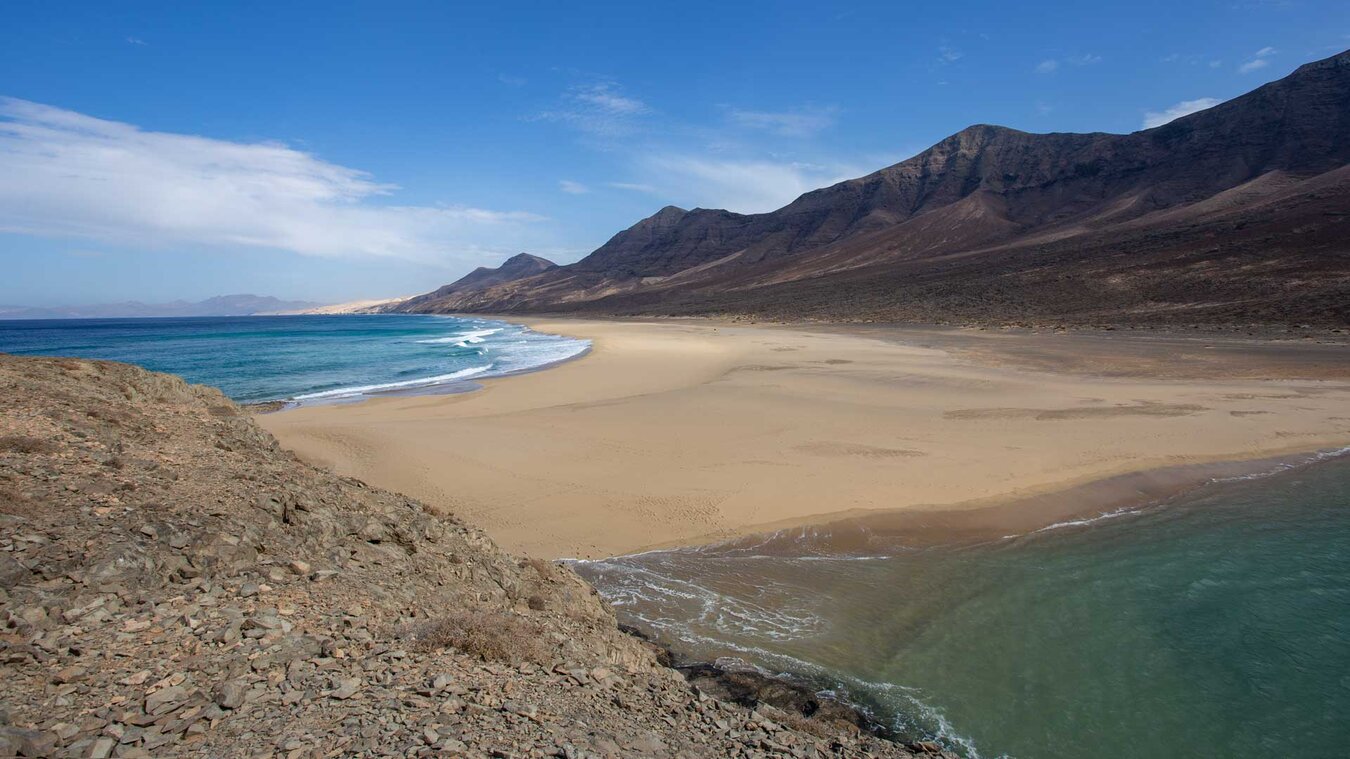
x: 306, y: 358
x: 1214, y: 625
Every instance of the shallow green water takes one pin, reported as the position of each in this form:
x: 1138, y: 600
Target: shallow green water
x: 1216, y: 625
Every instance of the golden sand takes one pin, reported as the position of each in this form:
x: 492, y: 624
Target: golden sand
x: 686, y: 431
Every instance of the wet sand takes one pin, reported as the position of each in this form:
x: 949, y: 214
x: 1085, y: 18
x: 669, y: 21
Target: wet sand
x: 682, y: 432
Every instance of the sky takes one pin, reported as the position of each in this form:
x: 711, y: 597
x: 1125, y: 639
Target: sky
x: 335, y: 150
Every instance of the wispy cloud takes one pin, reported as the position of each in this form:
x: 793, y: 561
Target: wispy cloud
x: 742, y: 185
x: 1259, y: 60
x: 807, y: 122
x: 1184, y: 108
x: 754, y: 160
x: 634, y: 187
x: 1051, y: 65
x: 512, y: 81
x: 948, y: 54
x: 1193, y: 59
x: 598, y: 108
x: 66, y: 174
x: 135, y: 41
x: 606, y: 97
x: 572, y: 188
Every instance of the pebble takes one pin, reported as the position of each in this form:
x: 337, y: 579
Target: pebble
x: 346, y: 688
x: 231, y: 694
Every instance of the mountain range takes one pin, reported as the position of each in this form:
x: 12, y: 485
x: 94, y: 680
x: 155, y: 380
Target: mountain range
x: 221, y: 305
x: 1239, y: 214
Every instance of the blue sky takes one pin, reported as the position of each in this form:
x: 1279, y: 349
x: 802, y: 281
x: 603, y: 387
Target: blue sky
x: 333, y: 150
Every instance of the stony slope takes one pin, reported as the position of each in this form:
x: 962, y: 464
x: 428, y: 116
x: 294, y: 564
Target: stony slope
x: 993, y: 224
x: 174, y: 584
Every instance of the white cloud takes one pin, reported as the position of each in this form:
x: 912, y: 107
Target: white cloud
x: 605, y: 96
x: 1184, y: 108
x: 1051, y: 65
x: 635, y: 187
x: 800, y: 123
x: 512, y: 81
x: 572, y: 188
x: 135, y: 41
x: 744, y: 186
x: 65, y: 174
x: 949, y: 55
x: 599, y: 109
x: 1258, y: 60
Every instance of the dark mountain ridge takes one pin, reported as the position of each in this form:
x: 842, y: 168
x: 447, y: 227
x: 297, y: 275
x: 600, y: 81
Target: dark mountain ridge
x: 517, y: 267
x: 964, y: 230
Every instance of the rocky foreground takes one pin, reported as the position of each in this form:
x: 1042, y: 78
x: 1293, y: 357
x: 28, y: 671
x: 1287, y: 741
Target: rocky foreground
x: 172, y: 583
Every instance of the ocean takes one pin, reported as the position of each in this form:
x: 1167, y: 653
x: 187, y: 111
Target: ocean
x: 1214, y: 624
x: 303, y: 359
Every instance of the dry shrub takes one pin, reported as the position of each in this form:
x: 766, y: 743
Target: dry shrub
x: 803, y: 724
x: 27, y: 444
x: 490, y: 635
x: 12, y: 502
x: 541, y: 567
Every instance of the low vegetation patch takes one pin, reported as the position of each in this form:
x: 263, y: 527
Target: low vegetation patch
x: 491, y: 635
x: 26, y: 444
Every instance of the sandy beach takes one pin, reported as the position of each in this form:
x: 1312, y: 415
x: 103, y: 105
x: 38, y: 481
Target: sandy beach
x: 682, y: 432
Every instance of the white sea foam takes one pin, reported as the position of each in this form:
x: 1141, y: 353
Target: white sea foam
x: 1331, y: 453
x: 846, y: 686
x: 352, y: 392
x: 628, y: 584
x: 463, y: 339
x: 477, y: 335
x: 1283, y: 466
x: 1122, y: 512
x: 516, y: 349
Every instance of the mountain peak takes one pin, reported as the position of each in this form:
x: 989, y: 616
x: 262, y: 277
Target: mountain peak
x: 997, y: 223
x: 519, y: 266
x: 1336, y: 61
x: 667, y: 215
x: 526, y: 259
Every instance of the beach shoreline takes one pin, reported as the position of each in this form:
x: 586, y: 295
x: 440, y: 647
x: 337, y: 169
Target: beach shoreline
x: 682, y: 432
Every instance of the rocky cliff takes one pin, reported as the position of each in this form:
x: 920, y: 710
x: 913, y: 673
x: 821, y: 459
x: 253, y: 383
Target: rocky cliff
x: 174, y: 584
x: 1236, y: 214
